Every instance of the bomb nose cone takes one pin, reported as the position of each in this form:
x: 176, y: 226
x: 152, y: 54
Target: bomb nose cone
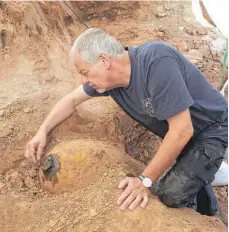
x: 50, y: 165
x: 47, y: 162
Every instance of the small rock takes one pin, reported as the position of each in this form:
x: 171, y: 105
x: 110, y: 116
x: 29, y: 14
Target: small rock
x: 7, y: 177
x: 35, y: 193
x: 6, y: 132
x: 181, y: 28
x: 2, y: 112
x: 20, y: 183
x: 118, y: 12
x: 93, y: 212
x: 182, y: 46
x: 122, y: 174
x: 105, y: 174
x: 59, y: 228
x: 160, y: 34
x: 68, y: 223
x: 52, y: 222
x: 65, y: 195
x: 61, y: 209
x: 2, y: 185
x: 62, y: 219
x: 49, y: 78
x: 190, y: 31
x: 25, y: 163
x: 32, y: 173
x: 77, y: 203
x: 76, y: 221
x: 160, y: 12
x: 22, y: 189
x: 3, y: 191
x: 54, y: 212
x: 6, y: 57
x: 13, y: 176
x: 27, y: 110
x: 5, y: 101
x: 194, y: 55
x: 218, y: 45
x: 201, y: 32
x: 29, y: 182
x: 45, y: 96
x: 106, y: 191
x: 206, y: 50
x: 146, y: 154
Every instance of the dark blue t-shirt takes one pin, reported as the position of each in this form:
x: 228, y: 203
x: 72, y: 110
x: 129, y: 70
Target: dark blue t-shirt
x: 163, y: 83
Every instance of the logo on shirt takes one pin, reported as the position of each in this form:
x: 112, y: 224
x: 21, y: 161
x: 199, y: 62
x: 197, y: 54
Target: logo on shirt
x: 147, y: 105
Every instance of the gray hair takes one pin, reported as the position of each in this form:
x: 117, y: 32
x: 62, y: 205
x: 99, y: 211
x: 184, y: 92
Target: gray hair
x: 91, y: 43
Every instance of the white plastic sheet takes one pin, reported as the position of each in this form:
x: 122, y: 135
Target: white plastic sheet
x: 217, y: 10
x: 221, y: 177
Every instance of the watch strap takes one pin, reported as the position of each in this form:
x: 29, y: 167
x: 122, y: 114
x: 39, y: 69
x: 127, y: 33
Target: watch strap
x: 141, y: 177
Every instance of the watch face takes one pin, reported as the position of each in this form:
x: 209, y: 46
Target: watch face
x: 147, y: 182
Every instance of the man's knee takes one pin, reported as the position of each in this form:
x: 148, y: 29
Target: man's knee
x: 171, y: 190
x: 173, y: 193
x: 171, y: 199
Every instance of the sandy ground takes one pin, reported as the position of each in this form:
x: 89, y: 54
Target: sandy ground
x: 35, y: 72
x: 89, y: 173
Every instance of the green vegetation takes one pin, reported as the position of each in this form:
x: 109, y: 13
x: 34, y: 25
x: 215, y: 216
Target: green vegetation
x: 224, y: 66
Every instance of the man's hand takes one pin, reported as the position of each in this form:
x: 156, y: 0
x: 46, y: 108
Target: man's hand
x: 34, y: 149
x: 134, y: 194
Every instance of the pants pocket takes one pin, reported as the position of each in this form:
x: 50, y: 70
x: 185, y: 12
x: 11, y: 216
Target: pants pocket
x: 211, y: 162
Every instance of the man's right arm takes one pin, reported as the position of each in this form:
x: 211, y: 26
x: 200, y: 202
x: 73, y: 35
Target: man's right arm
x: 60, y: 112
x: 64, y: 108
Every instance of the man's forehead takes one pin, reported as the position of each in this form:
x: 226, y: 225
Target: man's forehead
x: 78, y: 58
x: 80, y: 63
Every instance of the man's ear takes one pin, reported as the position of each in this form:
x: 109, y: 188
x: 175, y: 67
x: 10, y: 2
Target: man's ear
x: 105, y: 59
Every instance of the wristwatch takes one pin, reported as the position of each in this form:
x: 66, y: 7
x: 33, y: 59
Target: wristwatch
x: 146, y: 181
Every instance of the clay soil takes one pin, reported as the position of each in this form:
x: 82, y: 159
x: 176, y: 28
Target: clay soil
x: 35, y: 39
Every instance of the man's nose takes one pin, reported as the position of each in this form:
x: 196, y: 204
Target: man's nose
x: 84, y: 80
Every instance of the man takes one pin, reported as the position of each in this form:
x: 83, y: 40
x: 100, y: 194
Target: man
x: 156, y: 86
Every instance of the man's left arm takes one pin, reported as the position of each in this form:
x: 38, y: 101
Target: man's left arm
x: 179, y: 133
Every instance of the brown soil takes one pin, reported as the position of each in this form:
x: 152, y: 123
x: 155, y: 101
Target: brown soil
x: 91, y: 204
x: 35, y: 38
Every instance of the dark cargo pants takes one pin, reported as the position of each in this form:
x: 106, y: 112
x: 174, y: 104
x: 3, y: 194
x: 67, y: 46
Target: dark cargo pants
x: 194, y: 169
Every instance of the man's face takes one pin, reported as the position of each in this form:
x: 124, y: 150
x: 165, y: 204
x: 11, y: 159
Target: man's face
x: 95, y: 75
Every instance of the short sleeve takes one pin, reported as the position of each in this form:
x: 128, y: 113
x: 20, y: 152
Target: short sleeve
x: 92, y: 92
x: 169, y: 94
